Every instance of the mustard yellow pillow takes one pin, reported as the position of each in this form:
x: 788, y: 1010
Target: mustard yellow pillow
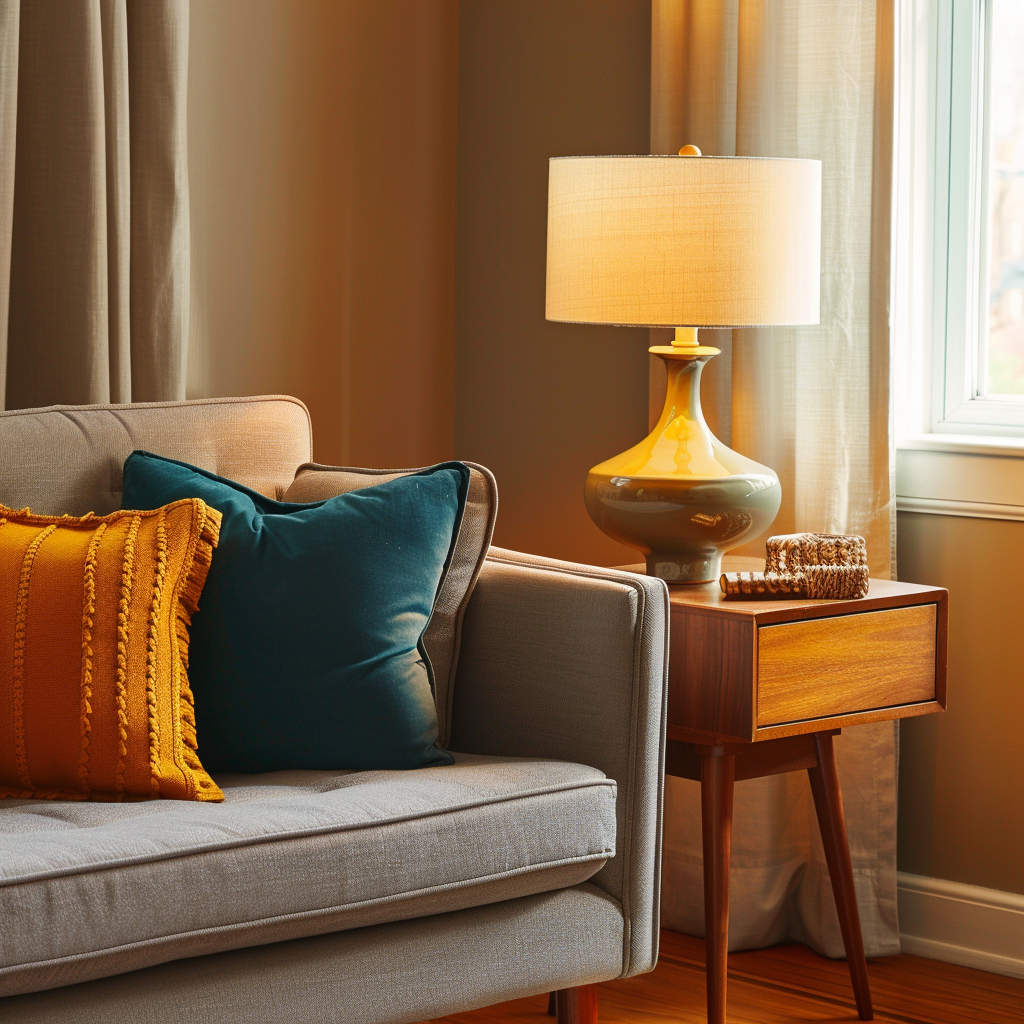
x: 94, y: 616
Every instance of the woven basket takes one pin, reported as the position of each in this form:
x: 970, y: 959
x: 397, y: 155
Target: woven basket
x: 820, y: 566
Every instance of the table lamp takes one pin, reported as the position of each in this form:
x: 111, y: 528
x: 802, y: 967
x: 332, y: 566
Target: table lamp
x: 684, y: 241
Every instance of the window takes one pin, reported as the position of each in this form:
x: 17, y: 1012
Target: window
x: 959, y: 292
x: 1002, y: 366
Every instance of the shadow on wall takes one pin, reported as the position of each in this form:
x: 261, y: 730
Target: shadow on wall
x: 327, y: 141
x: 961, y: 804
x: 322, y: 155
x: 538, y: 402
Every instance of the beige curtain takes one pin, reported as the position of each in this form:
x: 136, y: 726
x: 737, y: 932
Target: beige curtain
x: 799, y: 78
x: 94, y: 238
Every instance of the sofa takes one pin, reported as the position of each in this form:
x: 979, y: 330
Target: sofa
x: 530, y: 865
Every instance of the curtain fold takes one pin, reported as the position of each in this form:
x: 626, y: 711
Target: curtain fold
x: 94, y: 272
x: 813, y: 79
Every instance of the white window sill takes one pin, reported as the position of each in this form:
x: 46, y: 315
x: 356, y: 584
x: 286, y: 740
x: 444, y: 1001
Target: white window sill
x: 964, y: 444
x: 956, y: 475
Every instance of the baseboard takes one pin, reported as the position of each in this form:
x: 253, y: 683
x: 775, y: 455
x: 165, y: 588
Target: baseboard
x: 961, y: 924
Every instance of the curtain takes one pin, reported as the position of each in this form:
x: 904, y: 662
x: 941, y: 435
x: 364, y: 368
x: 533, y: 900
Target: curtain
x: 94, y: 236
x: 799, y: 78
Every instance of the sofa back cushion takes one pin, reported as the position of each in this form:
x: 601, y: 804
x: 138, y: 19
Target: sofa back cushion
x: 68, y: 459
x: 441, y: 638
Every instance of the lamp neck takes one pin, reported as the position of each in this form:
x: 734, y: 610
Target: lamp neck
x: 682, y: 396
x: 686, y: 338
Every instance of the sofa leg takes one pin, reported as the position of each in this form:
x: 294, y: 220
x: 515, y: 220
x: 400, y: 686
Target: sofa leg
x: 576, y: 1005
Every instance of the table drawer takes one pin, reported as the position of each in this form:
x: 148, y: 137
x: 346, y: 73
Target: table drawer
x: 818, y: 668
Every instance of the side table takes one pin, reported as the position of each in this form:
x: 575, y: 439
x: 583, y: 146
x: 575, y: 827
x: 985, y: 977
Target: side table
x: 761, y: 687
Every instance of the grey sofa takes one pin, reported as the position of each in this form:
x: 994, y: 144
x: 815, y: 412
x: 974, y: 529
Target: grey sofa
x: 530, y: 865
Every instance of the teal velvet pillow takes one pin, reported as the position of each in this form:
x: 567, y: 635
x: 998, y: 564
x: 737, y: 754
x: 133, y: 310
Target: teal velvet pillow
x: 305, y: 651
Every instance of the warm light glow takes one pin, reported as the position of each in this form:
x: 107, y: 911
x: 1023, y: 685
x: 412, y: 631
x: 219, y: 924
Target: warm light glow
x: 658, y: 241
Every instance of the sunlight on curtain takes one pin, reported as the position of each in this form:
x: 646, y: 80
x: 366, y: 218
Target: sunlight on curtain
x: 812, y: 79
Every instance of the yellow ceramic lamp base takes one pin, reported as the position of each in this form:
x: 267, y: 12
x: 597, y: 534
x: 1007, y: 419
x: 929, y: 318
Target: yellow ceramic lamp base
x: 681, y: 497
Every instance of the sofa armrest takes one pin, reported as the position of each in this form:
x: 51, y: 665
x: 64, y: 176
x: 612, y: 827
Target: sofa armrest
x: 569, y: 661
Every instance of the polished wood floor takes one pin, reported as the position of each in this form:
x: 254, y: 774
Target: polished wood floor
x: 787, y: 985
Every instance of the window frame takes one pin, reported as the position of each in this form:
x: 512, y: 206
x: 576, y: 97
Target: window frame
x: 942, y: 224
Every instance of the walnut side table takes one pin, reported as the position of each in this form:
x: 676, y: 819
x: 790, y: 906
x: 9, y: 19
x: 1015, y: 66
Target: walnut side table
x: 761, y: 687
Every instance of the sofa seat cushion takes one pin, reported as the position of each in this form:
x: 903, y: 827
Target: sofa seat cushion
x: 89, y: 890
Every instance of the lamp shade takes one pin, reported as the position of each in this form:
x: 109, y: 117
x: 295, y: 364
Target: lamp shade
x: 671, y: 241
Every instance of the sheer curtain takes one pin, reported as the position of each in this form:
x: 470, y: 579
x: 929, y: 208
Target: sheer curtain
x: 94, y: 238
x: 799, y: 78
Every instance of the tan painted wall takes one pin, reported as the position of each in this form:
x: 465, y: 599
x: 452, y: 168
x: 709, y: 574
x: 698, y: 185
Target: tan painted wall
x: 322, y: 145
x: 540, y: 403
x: 961, y: 802
x: 323, y: 139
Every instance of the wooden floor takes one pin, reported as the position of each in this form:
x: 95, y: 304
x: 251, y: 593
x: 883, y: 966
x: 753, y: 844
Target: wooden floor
x: 786, y: 985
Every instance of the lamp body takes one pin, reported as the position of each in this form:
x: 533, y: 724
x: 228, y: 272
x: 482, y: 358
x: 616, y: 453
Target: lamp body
x: 681, y: 497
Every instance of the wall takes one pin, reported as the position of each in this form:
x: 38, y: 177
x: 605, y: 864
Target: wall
x: 322, y: 154
x: 324, y: 141
x: 538, y: 402
x: 961, y: 794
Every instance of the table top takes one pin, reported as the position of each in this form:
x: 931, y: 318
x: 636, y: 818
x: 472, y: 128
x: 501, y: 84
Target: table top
x: 707, y: 598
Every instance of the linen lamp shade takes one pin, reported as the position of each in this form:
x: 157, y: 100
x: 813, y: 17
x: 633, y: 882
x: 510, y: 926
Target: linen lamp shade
x: 683, y: 241
x: 670, y: 241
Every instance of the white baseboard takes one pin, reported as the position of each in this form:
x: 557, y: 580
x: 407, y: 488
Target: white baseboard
x: 961, y: 924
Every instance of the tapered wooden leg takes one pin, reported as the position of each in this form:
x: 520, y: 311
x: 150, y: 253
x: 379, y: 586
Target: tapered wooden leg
x: 576, y: 1005
x: 828, y: 802
x: 717, y: 774
x: 552, y: 1008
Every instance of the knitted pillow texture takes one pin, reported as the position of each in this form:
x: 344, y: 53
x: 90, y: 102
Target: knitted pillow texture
x: 94, y: 614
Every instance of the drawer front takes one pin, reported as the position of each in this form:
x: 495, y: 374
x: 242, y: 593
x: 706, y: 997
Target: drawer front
x: 847, y: 663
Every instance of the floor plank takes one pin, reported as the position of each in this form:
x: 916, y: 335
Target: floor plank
x: 787, y: 985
